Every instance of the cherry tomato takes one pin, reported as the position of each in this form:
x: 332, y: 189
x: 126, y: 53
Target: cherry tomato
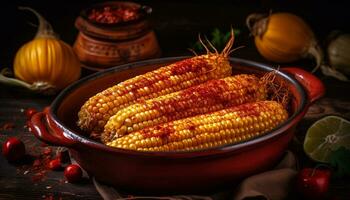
x: 313, y: 183
x: 73, y: 173
x: 55, y: 164
x: 13, y: 149
x: 29, y: 112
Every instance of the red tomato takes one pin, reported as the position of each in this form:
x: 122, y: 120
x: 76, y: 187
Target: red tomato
x: 29, y: 112
x: 13, y: 149
x: 55, y: 164
x: 73, y: 173
x: 313, y: 183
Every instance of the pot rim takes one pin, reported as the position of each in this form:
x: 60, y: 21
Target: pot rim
x: 144, y: 12
x: 85, y: 141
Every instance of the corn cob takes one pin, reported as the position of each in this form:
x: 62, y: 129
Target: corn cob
x: 180, y: 75
x: 207, y: 97
x: 228, y: 126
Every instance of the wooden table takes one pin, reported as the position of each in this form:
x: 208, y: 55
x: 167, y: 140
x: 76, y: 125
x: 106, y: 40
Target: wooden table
x: 17, y: 185
x: 177, y: 25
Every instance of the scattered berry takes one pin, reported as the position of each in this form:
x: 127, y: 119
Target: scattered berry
x: 54, y: 164
x: 313, y: 183
x: 30, y: 112
x: 13, y: 149
x: 73, y: 173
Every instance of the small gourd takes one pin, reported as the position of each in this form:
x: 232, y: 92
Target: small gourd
x: 338, y: 53
x: 283, y: 37
x: 45, y: 64
x: 338, y: 49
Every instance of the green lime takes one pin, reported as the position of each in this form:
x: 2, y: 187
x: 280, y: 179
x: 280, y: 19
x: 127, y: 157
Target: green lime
x: 325, y: 136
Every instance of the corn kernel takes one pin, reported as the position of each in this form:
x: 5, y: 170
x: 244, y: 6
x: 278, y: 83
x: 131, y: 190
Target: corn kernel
x: 184, y: 104
x: 211, y: 131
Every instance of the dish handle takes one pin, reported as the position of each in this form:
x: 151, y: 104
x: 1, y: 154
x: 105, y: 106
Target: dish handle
x: 45, y: 129
x: 314, y: 87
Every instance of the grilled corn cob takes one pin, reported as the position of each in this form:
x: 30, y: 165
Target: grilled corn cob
x: 228, y: 126
x: 99, y: 108
x: 94, y: 114
x: 207, y: 97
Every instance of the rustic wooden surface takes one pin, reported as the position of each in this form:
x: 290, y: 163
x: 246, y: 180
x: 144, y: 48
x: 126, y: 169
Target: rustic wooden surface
x: 177, y: 25
x: 17, y: 185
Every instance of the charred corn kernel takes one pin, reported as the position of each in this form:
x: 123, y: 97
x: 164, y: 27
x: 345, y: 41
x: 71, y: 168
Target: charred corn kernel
x: 207, y: 97
x: 206, y: 131
x: 183, y: 74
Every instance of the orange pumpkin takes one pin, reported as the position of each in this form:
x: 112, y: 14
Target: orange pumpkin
x: 283, y: 37
x: 46, y: 64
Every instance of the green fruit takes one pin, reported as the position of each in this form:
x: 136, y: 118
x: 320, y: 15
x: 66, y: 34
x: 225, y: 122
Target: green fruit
x: 338, y: 53
x: 325, y: 136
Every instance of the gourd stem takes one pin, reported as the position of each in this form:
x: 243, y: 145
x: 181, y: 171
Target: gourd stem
x: 45, y: 29
x: 14, y: 82
x: 40, y: 87
x: 257, y: 23
x: 330, y: 71
x: 316, y: 52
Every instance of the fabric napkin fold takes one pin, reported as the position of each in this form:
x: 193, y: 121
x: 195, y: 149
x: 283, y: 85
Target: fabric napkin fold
x: 271, y: 185
x: 274, y: 184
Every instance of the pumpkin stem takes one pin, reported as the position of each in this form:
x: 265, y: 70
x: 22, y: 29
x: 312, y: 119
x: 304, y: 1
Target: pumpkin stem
x: 12, y: 81
x: 45, y: 29
x: 316, y: 52
x: 43, y: 88
x: 329, y: 71
x: 257, y: 23
x: 40, y: 87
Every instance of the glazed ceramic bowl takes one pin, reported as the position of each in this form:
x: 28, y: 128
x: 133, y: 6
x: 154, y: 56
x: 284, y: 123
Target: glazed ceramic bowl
x: 102, y: 45
x: 171, y: 171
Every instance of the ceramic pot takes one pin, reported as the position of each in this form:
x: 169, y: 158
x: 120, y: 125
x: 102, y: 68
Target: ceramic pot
x: 161, y: 172
x: 101, y: 45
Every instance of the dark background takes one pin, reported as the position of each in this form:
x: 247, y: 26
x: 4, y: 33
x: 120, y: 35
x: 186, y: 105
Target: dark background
x: 177, y: 23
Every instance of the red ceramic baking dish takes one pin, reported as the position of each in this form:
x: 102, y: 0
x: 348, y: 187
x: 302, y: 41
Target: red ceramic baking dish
x: 171, y: 171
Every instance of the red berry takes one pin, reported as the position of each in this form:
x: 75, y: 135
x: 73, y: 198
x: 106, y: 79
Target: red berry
x: 13, y: 149
x: 73, y: 173
x: 313, y: 183
x: 29, y: 112
x: 55, y: 164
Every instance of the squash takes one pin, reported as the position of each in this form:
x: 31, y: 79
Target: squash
x: 45, y: 64
x: 283, y: 37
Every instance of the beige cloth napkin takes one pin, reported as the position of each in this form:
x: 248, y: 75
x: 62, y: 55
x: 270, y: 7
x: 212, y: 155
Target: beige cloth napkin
x: 270, y: 185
